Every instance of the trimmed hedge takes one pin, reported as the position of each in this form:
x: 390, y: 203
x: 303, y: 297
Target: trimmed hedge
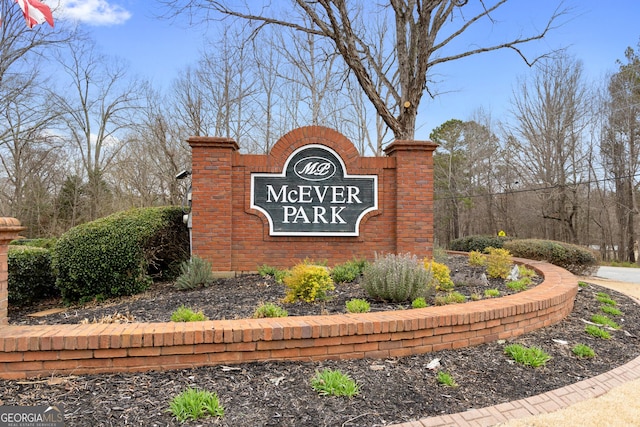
x: 30, y: 275
x: 577, y: 259
x: 47, y: 243
x: 478, y: 243
x: 118, y: 254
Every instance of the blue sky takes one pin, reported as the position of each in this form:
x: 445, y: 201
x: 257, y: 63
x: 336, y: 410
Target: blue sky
x: 596, y: 32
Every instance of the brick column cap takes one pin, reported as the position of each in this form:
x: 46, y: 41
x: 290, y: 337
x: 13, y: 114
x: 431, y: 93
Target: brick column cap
x: 409, y: 145
x: 214, y: 142
x: 10, y: 224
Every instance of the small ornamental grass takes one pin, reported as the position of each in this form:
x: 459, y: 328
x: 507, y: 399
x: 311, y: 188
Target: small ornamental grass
x: 604, y: 320
x: 357, y: 305
x: 518, y: 285
x: 604, y: 298
x: 195, y: 404
x: 309, y: 283
x: 193, y: 273
x: 527, y: 356
x: 450, y: 298
x: 596, y: 332
x: 445, y: 378
x: 185, y: 314
x: 334, y: 383
x: 397, y: 278
x: 611, y: 310
x: 269, y: 310
x: 583, y: 351
x: 270, y: 271
x: 491, y: 293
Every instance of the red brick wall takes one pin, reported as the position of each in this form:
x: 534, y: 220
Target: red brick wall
x: 44, y: 350
x: 235, y: 238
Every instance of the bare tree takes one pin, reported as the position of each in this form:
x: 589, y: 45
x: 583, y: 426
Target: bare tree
x: 552, y: 114
x: 97, y: 111
x: 424, y: 36
x: 620, y: 148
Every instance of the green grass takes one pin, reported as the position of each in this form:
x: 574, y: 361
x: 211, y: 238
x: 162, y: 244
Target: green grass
x: 594, y: 331
x: 583, y: 351
x: 583, y: 284
x: 195, y: 404
x: 611, y: 310
x: 444, y: 378
x: 606, y: 300
x: 527, y: 356
x: 334, y: 383
x: 604, y: 320
x: 185, y: 314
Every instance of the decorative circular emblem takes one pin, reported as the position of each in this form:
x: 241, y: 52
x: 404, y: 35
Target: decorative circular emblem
x: 315, y: 168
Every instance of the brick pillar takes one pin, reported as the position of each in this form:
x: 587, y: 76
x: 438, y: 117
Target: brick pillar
x: 211, y: 199
x: 414, y: 216
x: 9, y: 229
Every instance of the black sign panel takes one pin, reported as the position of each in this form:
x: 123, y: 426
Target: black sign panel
x: 314, y: 195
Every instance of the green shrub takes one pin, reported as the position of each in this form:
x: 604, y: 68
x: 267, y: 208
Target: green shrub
x: 195, y: 404
x: 397, y: 278
x: 269, y: 310
x: 498, y: 263
x: 357, y: 305
x: 334, y: 383
x: 30, y: 275
x: 478, y: 243
x: 349, y: 271
x: 185, y: 314
x: 577, y: 259
x: 118, y: 254
x: 477, y: 259
x: 419, y: 302
x: 308, y: 283
x: 440, y: 275
x: 193, y: 273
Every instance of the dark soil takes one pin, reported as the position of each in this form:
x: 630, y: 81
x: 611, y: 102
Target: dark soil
x: 279, y: 393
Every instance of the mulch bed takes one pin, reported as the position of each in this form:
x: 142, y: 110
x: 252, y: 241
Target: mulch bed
x: 279, y: 393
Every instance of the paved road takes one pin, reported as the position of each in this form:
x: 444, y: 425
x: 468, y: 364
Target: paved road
x: 621, y: 274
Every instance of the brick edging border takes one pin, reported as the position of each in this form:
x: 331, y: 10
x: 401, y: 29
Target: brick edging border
x: 43, y: 350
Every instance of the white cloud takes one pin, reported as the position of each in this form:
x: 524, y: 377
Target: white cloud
x: 92, y: 12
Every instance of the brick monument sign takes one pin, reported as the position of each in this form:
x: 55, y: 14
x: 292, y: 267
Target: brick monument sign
x: 313, y: 196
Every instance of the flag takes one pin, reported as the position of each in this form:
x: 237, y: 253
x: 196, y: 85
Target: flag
x: 35, y: 12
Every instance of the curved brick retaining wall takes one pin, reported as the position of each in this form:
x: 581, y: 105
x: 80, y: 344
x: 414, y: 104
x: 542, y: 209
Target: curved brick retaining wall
x: 32, y: 351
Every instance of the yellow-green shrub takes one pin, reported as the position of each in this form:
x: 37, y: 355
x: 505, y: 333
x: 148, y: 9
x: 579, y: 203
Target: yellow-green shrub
x: 440, y: 275
x: 498, y: 263
x: 308, y: 283
x: 477, y: 259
